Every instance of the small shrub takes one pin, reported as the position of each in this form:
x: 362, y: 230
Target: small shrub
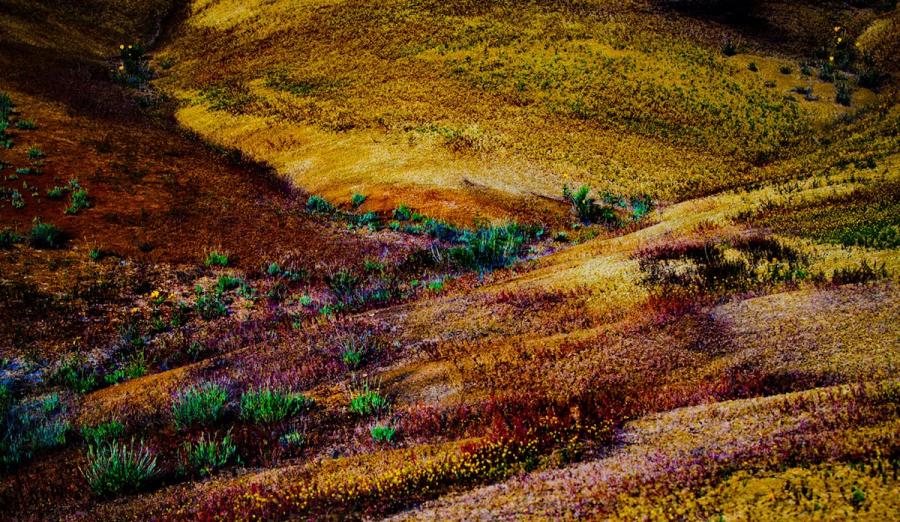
x: 586, y: 208
x: 78, y: 201
x: 114, y: 468
x: 6, y: 106
x: 343, y: 283
x: 369, y: 219
x: 216, y: 258
x: 293, y: 439
x: 729, y: 48
x: 200, y: 404
x: 752, y: 67
x: 57, y: 192
x: 75, y: 374
x: 318, y: 205
x: 35, y: 153
x: 366, y: 401
x: 209, y: 454
x: 46, y: 235
x: 861, y: 274
x: 8, y: 238
x: 843, y: 92
x: 26, y: 125
x: 402, y: 213
x: 274, y: 270
x: 95, y: 254
x: 383, y: 433
x: 357, y: 200
x: 17, y: 200
x: 265, y: 405
x: 210, y: 305
x: 227, y: 282
x: 785, y: 69
x: 101, y: 433
x: 28, y: 171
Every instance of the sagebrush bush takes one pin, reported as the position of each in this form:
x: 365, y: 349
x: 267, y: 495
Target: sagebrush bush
x: 46, y: 235
x: 199, y: 404
x: 8, y: 238
x: 78, y: 201
x: 265, y: 405
x: 115, y: 467
x: 317, y: 204
x: 210, y: 304
x: 586, y: 207
x: 208, y: 453
x: 357, y: 200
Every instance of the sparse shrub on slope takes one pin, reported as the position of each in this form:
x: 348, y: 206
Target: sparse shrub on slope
x: 199, y: 404
x: 209, y: 453
x: 264, y: 405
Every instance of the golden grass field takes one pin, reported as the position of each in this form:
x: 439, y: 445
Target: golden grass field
x: 313, y: 259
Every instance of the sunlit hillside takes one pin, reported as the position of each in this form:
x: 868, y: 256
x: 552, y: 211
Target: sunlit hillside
x: 456, y: 260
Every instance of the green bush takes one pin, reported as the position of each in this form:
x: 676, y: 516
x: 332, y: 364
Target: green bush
x: 586, y: 208
x: 26, y: 125
x: 114, y: 468
x: 103, y: 432
x: 366, y: 401
x: 383, y: 433
x: 292, y: 439
x: 6, y: 106
x: 357, y: 200
x: 402, y: 213
x: 209, y: 454
x: 265, y: 405
x: 46, y: 235
x: 729, y: 48
x: 752, y: 67
x: 318, y: 205
x: 216, y: 258
x: 57, y: 192
x: 8, y: 238
x: 210, y: 304
x: 78, y: 201
x: 786, y: 69
x: 200, y: 404
x: 35, y: 153
x: 17, y: 200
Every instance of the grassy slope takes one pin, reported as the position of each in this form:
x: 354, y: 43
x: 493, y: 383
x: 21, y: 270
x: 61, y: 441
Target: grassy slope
x: 562, y: 327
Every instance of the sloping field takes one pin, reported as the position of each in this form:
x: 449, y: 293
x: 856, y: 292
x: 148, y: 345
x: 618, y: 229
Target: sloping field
x: 271, y: 260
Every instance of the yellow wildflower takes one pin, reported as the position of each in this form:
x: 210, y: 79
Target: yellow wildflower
x: 135, y: 310
x: 154, y: 294
x: 837, y: 28
x: 121, y: 46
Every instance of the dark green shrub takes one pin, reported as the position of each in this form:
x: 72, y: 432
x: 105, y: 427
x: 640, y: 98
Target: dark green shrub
x: 75, y: 374
x: 265, y: 405
x: 586, y: 208
x: 6, y: 106
x: 786, y: 69
x: 57, y: 192
x: 26, y: 125
x: 752, y: 67
x: 8, y: 238
x: 78, y: 201
x: 402, y: 213
x: 216, y: 258
x: 293, y: 439
x: 369, y: 219
x: 860, y: 274
x: 274, y: 270
x: 35, y: 153
x: 209, y: 454
x: 357, y: 200
x: 383, y: 433
x: 199, y: 404
x: 210, y: 304
x: 318, y: 205
x: 46, y: 235
x: 729, y: 48
x: 114, y: 468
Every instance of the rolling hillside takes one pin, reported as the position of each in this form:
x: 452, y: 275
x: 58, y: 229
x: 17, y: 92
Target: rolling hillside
x: 328, y: 259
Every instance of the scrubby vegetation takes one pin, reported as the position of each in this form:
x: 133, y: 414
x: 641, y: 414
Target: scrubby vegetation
x: 115, y: 467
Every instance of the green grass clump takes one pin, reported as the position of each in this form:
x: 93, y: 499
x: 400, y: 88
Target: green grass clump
x: 6, y: 106
x: 357, y: 200
x: 16, y: 199
x: 402, y: 213
x: 78, y: 201
x: 46, y: 235
x: 103, y: 432
x: 114, y: 468
x: 209, y: 454
x: 383, y: 433
x: 35, y: 153
x: 366, y: 401
x: 8, y: 238
x: 26, y: 125
x: 318, y: 205
x: 292, y: 439
x: 200, y: 404
x: 265, y: 405
x: 586, y: 207
x: 216, y: 258
x: 57, y: 192
x: 489, y: 247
